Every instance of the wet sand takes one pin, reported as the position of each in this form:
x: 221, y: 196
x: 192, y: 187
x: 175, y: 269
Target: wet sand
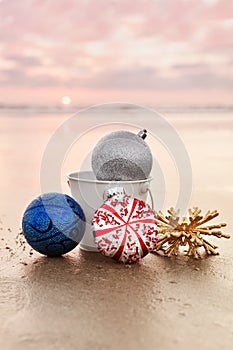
x: 83, y: 300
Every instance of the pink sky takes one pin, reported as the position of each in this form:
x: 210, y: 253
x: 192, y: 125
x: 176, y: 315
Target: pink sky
x: 164, y: 52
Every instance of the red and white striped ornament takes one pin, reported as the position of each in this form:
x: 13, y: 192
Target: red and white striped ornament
x: 125, y: 229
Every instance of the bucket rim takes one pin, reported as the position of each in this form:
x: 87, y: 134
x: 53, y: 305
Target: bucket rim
x: 74, y: 176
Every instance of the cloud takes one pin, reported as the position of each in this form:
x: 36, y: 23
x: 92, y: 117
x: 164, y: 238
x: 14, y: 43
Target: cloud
x: 191, y: 67
x: 116, y: 44
x: 23, y: 61
x: 186, y: 77
x: 21, y: 78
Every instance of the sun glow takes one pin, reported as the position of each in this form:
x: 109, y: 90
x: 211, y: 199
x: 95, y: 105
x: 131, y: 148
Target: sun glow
x: 66, y: 100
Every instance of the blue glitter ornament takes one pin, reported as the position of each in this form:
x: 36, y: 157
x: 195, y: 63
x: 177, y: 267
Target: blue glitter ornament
x: 53, y: 224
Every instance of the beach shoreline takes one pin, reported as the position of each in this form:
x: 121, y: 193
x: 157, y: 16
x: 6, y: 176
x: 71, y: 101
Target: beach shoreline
x: 83, y: 300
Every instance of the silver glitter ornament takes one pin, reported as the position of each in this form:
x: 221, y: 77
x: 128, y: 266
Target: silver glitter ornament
x: 122, y: 156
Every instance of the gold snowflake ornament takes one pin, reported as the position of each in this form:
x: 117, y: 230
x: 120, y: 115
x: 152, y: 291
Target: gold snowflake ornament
x: 176, y: 232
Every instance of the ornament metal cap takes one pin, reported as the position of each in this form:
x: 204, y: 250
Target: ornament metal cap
x: 142, y: 134
x: 113, y: 191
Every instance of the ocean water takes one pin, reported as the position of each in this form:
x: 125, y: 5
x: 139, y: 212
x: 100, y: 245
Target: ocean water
x: 38, y: 144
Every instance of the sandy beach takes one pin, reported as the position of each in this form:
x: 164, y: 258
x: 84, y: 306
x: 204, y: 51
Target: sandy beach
x: 85, y: 301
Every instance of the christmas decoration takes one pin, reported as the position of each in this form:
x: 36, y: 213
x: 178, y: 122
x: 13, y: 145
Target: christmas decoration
x: 122, y: 155
x: 175, y: 232
x: 125, y: 229
x: 53, y: 224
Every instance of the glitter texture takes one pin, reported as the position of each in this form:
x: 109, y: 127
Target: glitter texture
x: 121, y: 155
x: 53, y: 224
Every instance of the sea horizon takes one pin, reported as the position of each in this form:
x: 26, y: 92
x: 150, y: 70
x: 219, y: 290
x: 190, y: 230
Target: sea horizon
x: 56, y: 108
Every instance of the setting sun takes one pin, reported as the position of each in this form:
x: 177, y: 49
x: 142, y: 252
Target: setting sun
x: 66, y: 100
